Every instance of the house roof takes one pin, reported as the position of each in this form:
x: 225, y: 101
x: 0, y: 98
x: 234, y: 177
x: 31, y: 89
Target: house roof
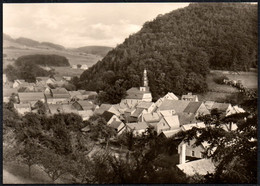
x: 209, y: 104
x: 170, y: 133
x: 144, y: 104
x: 135, y: 93
x: 86, y: 105
x: 221, y: 106
x: 190, y: 126
x: 193, y: 107
x: 23, y: 105
x: 60, y: 93
x: 68, y: 108
x: 85, y: 113
x: 186, y: 118
x: 55, y: 108
x: 42, y: 78
x: 172, y: 95
x: 201, y: 167
x: 151, y: 117
x: 89, y: 93
x: 115, y: 124
x: 30, y: 96
x: 103, y: 108
x: 172, y: 121
x: 137, y: 126
x: 176, y: 105
x: 137, y: 112
x: 7, y: 92
x: 189, y: 96
x: 107, y: 115
x: 74, y: 93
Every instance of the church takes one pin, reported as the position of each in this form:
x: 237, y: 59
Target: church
x: 137, y: 94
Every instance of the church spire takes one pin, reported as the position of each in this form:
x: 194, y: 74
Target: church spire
x: 145, y: 78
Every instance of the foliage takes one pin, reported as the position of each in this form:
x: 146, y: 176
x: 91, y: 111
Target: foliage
x: 179, y: 48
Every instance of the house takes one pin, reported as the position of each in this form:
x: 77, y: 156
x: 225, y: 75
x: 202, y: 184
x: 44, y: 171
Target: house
x: 235, y: 110
x: 68, y: 108
x: 166, y: 123
x: 75, y: 95
x: 137, y: 114
x: 190, y: 126
x: 148, y: 106
x: 128, y: 115
x: 58, y: 95
x: 45, y: 80
x: 107, y: 107
x: 31, y: 97
x: 151, y: 117
x: 200, y: 167
x: 7, y: 93
x: 84, y: 67
x: 74, y: 66
x: 83, y: 105
x: 224, y: 108
x: 177, y: 105
x: 186, y: 118
x: 55, y: 108
x: 22, y: 108
x: 119, y: 126
x: 85, y: 114
x: 171, y: 96
x: 165, y: 113
x: 170, y: 133
x: 141, y: 93
x: 196, y: 163
x: 189, y: 97
x: 137, y: 128
x: 18, y: 82
x: 90, y: 95
x: 196, y: 108
x: 128, y: 103
x: 67, y: 78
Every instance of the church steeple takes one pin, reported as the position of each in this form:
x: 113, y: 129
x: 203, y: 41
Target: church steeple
x: 145, y: 78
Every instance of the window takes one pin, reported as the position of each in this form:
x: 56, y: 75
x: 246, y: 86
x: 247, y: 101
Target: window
x: 192, y: 153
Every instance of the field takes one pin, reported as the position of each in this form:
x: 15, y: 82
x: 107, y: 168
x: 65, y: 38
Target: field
x: 73, y: 57
x: 223, y: 93
x: 67, y: 71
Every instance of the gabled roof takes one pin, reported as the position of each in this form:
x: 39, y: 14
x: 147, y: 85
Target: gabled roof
x: 137, y: 112
x: 60, y: 93
x: 151, y: 117
x: 86, y: 105
x: 201, y: 167
x: 176, y: 105
x: 107, y: 115
x: 30, y: 96
x: 68, y: 108
x: 170, y: 133
x: 189, y: 96
x: 85, y: 113
x: 186, y: 118
x: 190, y: 126
x: 55, y: 108
x: 74, y: 93
x: 209, y: 104
x: 103, y: 108
x: 172, y: 121
x: 115, y: 124
x: 135, y: 93
x: 172, y: 96
x: 137, y: 126
x: 221, y: 106
x: 193, y: 107
x: 144, y: 104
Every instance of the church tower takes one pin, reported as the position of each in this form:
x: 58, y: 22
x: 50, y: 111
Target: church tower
x: 145, y: 78
x: 145, y: 82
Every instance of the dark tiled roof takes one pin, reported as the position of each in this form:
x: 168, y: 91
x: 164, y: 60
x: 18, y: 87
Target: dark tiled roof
x: 30, y: 96
x: 192, y: 107
x: 177, y: 105
x: 107, y: 115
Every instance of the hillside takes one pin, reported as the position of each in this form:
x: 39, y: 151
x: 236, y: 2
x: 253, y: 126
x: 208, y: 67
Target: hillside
x: 96, y: 50
x: 179, y: 49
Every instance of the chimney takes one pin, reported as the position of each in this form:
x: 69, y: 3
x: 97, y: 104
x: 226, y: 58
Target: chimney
x: 182, y: 157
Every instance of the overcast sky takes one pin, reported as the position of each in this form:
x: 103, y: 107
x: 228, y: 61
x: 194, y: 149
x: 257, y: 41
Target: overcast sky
x: 80, y: 24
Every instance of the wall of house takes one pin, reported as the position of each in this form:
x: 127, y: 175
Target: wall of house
x: 113, y: 118
x: 161, y: 126
x: 202, y: 110
x: 192, y: 151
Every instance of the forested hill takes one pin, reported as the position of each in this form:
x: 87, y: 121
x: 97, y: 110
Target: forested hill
x: 180, y: 47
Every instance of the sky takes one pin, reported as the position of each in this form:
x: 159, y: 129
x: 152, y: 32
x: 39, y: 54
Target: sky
x: 80, y: 24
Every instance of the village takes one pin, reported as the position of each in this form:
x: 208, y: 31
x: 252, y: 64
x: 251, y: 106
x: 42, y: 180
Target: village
x: 135, y: 113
